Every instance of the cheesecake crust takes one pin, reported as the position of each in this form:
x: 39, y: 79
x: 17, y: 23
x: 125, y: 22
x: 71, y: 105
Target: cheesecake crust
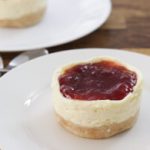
x: 24, y: 21
x: 102, y: 132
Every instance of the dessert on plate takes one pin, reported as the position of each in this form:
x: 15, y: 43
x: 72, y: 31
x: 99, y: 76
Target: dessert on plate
x: 21, y: 13
x: 97, y: 98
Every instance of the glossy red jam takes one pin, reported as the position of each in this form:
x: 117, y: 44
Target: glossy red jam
x: 97, y: 81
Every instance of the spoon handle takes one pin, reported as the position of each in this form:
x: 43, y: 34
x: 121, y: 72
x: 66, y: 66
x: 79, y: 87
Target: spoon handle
x: 3, y: 71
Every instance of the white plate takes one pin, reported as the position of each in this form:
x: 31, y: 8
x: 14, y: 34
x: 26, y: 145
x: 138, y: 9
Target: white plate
x: 31, y: 125
x: 65, y: 21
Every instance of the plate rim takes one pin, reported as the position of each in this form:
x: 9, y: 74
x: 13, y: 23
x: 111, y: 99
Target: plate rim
x: 74, y: 50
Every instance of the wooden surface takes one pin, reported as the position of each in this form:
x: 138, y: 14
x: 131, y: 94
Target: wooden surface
x: 127, y: 28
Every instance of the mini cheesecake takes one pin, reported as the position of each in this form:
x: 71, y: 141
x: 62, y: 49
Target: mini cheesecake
x: 21, y: 13
x: 98, y: 98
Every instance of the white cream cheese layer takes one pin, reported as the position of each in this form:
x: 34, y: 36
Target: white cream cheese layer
x: 99, y: 112
x: 13, y: 9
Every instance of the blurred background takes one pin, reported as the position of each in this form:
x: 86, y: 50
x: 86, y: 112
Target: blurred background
x: 127, y: 28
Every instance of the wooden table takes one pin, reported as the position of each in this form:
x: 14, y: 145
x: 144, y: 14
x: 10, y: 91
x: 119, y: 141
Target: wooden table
x: 127, y: 28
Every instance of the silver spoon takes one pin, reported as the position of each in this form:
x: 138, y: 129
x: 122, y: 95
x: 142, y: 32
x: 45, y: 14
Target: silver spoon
x: 22, y: 58
x: 1, y: 64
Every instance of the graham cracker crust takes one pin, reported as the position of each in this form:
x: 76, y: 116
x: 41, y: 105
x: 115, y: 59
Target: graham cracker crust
x: 25, y: 21
x: 99, y: 132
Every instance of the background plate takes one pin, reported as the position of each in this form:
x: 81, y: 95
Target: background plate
x: 65, y: 21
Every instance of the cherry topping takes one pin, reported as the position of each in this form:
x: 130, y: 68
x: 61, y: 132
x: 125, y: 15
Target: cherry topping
x: 97, y: 81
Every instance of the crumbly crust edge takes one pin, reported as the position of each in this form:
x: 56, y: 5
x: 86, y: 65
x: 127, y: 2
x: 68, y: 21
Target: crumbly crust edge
x: 102, y: 132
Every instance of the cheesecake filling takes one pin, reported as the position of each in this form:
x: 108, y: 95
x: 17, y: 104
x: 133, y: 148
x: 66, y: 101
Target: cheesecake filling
x: 97, y: 81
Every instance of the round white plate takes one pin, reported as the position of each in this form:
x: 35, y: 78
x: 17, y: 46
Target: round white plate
x: 65, y: 21
x: 27, y: 121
